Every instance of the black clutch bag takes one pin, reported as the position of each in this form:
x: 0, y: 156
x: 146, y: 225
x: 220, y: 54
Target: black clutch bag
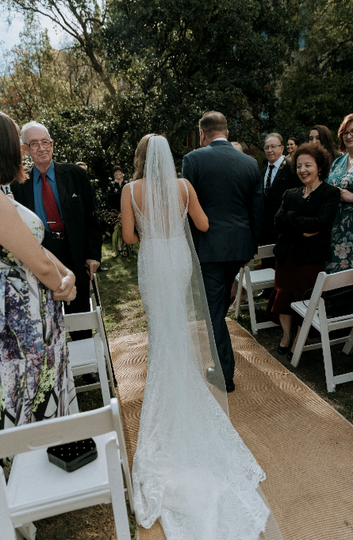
x: 72, y: 456
x: 338, y: 302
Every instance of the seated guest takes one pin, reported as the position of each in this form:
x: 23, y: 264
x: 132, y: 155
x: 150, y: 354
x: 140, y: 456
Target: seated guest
x: 341, y: 176
x: 322, y: 135
x: 34, y: 367
x: 114, y: 190
x: 292, y: 145
x: 304, y: 223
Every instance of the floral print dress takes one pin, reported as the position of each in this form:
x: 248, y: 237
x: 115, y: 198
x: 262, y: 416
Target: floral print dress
x: 342, y: 230
x: 35, y: 378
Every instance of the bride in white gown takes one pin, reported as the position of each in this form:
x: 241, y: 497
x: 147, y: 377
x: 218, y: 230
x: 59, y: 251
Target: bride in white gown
x: 191, y: 469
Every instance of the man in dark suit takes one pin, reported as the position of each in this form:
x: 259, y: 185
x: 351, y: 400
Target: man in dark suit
x: 278, y: 177
x: 72, y: 230
x: 229, y: 187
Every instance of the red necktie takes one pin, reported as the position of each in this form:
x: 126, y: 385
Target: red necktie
x: 54, y: 220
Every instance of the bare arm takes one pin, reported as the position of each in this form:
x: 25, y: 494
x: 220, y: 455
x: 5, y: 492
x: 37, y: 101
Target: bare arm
x: 67, y: 289
x: 17, y: 238
x: 128, y: 217
x: 195, y: 210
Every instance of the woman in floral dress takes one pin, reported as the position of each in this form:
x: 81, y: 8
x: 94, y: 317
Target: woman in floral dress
x: 35, y: 379
x: 341, y: 176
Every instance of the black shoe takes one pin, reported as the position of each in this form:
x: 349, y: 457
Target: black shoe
x: 264, y: 294
x: 91, y: 378
x: 283, y: 350
x: 214, y: 379
x: 290, y: 356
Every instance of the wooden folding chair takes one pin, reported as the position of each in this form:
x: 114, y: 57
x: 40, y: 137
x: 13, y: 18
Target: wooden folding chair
x: 314, y: 314
x: 87, y: 355
x: 254, y: 280
x: 38, y: 489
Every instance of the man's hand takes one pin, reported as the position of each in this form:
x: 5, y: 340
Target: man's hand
x: 91, y: 267
x: 67, y: 289
x: 307, y: 234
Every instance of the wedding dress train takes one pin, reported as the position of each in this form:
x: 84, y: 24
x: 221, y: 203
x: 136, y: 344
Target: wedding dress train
x: 191, y: 469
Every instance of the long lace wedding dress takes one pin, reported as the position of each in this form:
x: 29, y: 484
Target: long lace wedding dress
x: 191, y: 469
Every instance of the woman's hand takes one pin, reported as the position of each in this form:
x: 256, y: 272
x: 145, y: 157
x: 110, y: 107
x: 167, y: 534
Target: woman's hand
x: 67, y: 289
x: 307, y: 234
x: 346, y: 196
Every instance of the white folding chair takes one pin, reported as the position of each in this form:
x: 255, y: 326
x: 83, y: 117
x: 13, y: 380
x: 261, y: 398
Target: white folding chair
x: 254, y: 280
x: 95, y: 302
x: 38, y: 489
x: 87, y: 355
x: 314, y: 314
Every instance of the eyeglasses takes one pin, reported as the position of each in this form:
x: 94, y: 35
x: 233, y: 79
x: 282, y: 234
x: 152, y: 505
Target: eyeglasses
x: 271, y: 147
x: 36, y: 144
x: 346, y: 133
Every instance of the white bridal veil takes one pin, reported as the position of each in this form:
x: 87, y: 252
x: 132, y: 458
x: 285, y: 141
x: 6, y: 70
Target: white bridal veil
x: 191, y: 469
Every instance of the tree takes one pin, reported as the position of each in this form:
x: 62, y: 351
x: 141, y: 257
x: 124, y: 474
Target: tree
x: 83, y: 20
x: 317, y: 88
x: 37, y: 77
x: 183, y: 57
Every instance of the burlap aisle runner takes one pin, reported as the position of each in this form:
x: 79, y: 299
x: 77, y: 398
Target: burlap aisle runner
x: 303, y: 445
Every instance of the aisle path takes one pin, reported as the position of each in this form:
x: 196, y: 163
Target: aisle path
x: 304, y: 446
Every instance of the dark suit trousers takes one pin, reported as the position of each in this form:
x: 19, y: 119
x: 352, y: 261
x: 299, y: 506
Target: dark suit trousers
x: 218, y: 278
x: 61, y: 250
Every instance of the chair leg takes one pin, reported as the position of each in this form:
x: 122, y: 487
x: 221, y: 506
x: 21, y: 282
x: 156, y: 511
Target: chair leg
x: 102, y: 370
x: 349, y: 344
x: 326, y: 349
x: 238, y: 299
x: 303, y: 334
x: 251, y: 303
x: 27, y: 531
x: 117, y: 491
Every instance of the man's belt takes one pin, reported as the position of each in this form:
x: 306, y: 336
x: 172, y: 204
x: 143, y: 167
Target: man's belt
x: 55, y: 235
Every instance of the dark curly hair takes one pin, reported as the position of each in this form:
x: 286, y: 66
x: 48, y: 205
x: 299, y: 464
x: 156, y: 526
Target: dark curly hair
x: 11, y: 167
x: 319, y: 153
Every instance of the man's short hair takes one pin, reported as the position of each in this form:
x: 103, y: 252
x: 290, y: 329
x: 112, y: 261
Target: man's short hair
x: 213, y: 122
x: 117, y: 168
x: 30, y: 125
x: 277, y: 135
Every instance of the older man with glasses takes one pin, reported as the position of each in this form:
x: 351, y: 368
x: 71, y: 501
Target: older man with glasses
x: 61, y: 195
x: 277, y: 178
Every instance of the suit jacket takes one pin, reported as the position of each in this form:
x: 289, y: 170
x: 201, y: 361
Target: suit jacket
x: 283, y: 180
x: 228, y: 184
x: 78, y: 209
x: 314, y: 214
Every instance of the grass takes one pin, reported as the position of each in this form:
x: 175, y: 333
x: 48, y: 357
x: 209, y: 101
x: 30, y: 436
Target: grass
x: 124, y: 315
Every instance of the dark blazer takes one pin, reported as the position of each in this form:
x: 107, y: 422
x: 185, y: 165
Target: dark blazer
x: 228, y: 184
x: 283, y: 180
x: 296, y: 216
x: 78, y: 209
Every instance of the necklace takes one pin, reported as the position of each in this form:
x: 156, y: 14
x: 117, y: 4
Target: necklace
x: 309, y: 194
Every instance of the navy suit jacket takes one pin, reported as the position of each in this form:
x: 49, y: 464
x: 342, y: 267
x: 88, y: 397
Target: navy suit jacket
x: 229, y: 186
x: 77, y: 204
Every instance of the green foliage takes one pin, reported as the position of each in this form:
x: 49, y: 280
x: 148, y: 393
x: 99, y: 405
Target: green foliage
x: 183, y: 57
x: 317, y: 89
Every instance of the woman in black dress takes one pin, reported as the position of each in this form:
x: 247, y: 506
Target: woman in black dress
x: 304, y: 222
x: 114, y: 190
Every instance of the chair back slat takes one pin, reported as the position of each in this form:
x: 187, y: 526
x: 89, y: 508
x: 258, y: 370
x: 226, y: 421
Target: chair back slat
x: 264, y: 252
x: 338, y: 280
x: 81, y: 321
x: 59, y: 430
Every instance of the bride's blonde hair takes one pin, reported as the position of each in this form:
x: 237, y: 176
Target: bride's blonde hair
x: 140, y: 156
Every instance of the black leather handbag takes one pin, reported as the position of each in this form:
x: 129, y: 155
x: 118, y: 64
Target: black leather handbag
x: 338, y: 302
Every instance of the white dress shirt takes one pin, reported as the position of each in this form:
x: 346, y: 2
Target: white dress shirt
x: 277, y: 165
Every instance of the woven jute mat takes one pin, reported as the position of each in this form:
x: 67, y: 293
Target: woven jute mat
x: 304, y: 446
